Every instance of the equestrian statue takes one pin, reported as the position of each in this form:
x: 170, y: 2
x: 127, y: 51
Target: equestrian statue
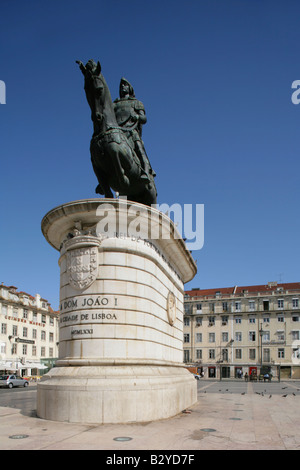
x: 118, y: 155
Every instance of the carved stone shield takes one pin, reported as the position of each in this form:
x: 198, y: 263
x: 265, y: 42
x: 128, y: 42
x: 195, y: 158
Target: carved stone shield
x: 82, y: 266
x: 171, y: 308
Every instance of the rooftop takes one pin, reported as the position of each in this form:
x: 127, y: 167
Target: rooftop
x: 33, y: 300
x: 238, y: 291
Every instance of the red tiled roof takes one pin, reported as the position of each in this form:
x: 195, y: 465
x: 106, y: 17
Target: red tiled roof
x: 238, y: 290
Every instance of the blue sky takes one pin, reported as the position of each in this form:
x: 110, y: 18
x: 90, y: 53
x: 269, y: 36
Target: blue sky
x: 215, y: 78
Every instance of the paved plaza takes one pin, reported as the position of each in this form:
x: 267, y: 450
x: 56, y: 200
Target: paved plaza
x: 229, y: 415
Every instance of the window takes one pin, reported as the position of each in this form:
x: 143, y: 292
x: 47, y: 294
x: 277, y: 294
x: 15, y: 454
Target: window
x: 295, y: 318
x: 14, y: 348
x: 280, y: 335
x: 198, y: 337
x: 280, y: 318
x: 43, y: 351
x: 24, y: 349
x: 251, y: 319
x: 34, y: 333
x: 225, y: 354
x: 34, y: 350
x: 265, y: 305
x: 34, y: 317
x: 295, y: 303
x: 211, y: 353
x: 4, y: 328
x: 212, y: 307
x: 198, y: 353
x: 238, y: 336
x: 15, y: 312
x: 266, y: 319
x: 4, y: 310
x: 3, y: 348
x: 43, y: 335
x: 25, y: 332
x: 15, y: 330
x: 225, y: 306
x: 224, y: 320
x: 50, y: 352
x: 266, y: 336
x: 43, y: 318
x: 186, y: 355
x: 295, y: 335
x: 211, y: 337
x: 251, y: 305
x: 266, y: 355
x: 25, y: 313
x: 237, y: 306
x: 238, y: 354
x: 296, y: 353
x: 225, y: 337
x: 281, y: 353
x: 211, y: 321
x: 199, y: 307
x: 252, y: 335
x: 51, y: 337
x: 238, y: 319
x: 252, y: 354
x: 186, y: 321
x: 51, y: 321
x: 186, y: 338
x: 198, y: 321
x: 280, y: 304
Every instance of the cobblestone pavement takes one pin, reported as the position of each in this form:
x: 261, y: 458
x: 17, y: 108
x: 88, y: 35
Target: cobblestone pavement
x: 229, y: 415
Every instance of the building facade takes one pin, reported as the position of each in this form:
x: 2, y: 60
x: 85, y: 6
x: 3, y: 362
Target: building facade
x: 28, y: 334
x: 229, y: 331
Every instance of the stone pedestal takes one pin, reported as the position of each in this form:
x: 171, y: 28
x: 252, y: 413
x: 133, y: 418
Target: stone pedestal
x: 122, y: 270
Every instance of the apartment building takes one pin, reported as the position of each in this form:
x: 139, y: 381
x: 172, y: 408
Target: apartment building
x: 229, y: 331
x: 28, y: 334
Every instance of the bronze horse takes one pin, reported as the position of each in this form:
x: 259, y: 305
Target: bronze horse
x: 114, y: 160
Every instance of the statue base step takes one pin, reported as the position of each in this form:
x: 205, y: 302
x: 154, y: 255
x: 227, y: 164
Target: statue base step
x: 115, y: 394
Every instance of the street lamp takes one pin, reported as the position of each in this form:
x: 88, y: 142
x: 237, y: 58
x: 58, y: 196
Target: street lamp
x: 261, y: 332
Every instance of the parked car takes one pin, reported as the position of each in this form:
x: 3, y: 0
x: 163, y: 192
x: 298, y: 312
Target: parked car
x: 197, y: 377
x: 11, y: 381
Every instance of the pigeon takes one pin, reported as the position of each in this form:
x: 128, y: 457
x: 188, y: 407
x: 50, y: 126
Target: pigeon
x: 284, y: 396
x: 283, y: 388
x: 270, y: 396
x: 294, y: 394
x: 243, y: 393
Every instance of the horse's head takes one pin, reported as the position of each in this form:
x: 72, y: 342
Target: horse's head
x: 98, y: 96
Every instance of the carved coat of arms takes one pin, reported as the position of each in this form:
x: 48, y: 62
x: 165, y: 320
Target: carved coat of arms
x: 82, y: 266
x: 171, y: 308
